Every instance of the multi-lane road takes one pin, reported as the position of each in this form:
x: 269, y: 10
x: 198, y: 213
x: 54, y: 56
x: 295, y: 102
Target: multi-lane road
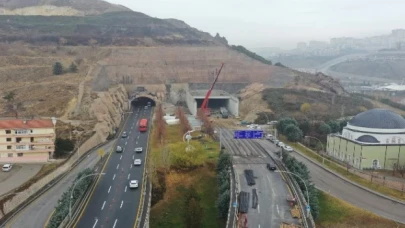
x: 272, y: 208
x: 113, y: 203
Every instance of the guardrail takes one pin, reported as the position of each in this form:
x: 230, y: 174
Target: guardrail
x: 293, y: 186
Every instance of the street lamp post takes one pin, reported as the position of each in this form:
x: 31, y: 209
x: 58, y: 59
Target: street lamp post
x: 303, y: 181
x: 71, y: 193
x: 323, y: 148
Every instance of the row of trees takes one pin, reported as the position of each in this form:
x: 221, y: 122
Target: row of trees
x: 58, y: 68
x: 193, y: 214
x: 62, y: 208
x: 160, y: 124
x: 223, y: 168
x: 185, y: 125
x: 302, y: 171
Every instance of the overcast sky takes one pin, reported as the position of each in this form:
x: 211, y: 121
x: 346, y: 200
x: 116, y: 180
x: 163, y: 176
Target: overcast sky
x: 279, y: 23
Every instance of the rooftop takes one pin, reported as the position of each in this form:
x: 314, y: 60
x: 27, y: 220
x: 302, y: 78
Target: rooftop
x: 23, y: 124
x: 378, y: 119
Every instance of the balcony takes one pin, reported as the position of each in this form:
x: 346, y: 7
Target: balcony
x: 32, y: 150
x: 50, y: 143
x: 13, y: 135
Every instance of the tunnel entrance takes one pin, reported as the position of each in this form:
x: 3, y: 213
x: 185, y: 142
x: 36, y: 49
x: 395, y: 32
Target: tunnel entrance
x: 142, y: 101
x: 213, y: 104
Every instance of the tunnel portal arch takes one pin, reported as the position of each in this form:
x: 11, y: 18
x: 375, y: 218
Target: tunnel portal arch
x: 142, y: 100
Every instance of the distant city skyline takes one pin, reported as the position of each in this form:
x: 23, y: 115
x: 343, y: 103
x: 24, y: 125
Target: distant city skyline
x: 269, y: 23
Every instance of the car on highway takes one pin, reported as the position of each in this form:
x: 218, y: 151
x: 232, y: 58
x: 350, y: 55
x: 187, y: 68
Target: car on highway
x: 146, y: 107
x: 269, y: 136
x: 7, y: 167
x: 118, y: 149
x: 288, y: 148
x: 133, y: 184
x: 271, y: 166
x: 138, y: 150
x: 137, y: 162
x: 124, y: 134
x: 280, y: 144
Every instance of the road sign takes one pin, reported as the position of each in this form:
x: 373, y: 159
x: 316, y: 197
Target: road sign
x: 308, y: 208
x: 100, y: 152
x: 234, y: 204
x: 248, y: 134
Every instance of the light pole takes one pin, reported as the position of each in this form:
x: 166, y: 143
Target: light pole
x: 323, y: 158
x: 220, y: 142
x: 187, y: 136
x: 303, y: 181
x: 71, y: 193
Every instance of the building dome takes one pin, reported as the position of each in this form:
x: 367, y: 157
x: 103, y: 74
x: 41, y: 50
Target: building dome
x: 378, y: 119
x: 367, y: 139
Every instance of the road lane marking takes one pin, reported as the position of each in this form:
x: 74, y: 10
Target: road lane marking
x: 259, y: 225
x: 278, y: 211
x: 118, y: 166
x: 129, y: 175
x: 136, y: 142
x: 133, y: 157
x: 122, y: 202
x: 131, y: 166
x: 103, y: 206
x: 258, y: 208
x: 126, y: 188
x: 138, y: 137
x: 126, y: 143
x: 115, y: 223
x: 95, y: 223
x: 130, y: 132
x: 121, y: 157
x: 114, y: 177
x: 109, y: 189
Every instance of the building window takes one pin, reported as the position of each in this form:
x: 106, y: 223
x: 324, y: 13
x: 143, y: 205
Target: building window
x: 32, y: 139
x: 8, y: 147
x: 393, y: 140
x: 387, y: 141
x: 18, y: 140
x: 10, y: 155
x: 21, y: 147
x: 20, y: 154
x: 8, y: 139
x: 21, y: 132
x: 8, y: 131
x: 375, y: 164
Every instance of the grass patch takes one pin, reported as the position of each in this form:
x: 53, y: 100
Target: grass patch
x: 336, y: 213
x: 169, y: 212
x: 342, y: 171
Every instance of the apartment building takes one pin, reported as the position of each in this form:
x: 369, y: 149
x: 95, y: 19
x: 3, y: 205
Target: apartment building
x: 27, y: 141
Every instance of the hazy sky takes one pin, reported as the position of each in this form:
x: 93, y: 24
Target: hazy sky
x: 279, y: 23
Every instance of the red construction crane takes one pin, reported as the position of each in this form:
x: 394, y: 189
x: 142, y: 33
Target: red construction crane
x: 204, y: 106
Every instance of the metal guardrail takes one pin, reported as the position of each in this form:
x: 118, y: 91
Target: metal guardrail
x: 293, y: 186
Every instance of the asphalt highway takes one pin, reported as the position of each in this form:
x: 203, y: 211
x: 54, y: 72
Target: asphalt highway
x: 37, y: 213
x: 113, y: 203
x: 344, y: 190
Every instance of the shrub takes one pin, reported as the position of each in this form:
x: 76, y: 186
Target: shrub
x: 63, y: 147
x: 57, y: 68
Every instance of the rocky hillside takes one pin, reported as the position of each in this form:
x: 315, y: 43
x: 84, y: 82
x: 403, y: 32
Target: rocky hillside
x: 58, y: 7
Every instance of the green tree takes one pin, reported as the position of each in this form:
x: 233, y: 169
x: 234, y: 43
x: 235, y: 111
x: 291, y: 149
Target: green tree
x: 224, y: 162
x: 223, y: 204
x: 334, y: 126
x: 342, y: 124
x: 305, y: 127
x: 9, y: 97
x: 293, y: 133
x: 63, y: 147
x: 284, y: 122
x: 73, y: 68
x: 324, y: 129
x: 193, y: 213
x: 57, y: 68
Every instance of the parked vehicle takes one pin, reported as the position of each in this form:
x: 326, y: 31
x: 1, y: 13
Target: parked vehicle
x: 7, y: 167
x: 288, y: 148
x: 276, y: 141
x: 280, y: 144
x: 119, y: 149
x: 271, y: 166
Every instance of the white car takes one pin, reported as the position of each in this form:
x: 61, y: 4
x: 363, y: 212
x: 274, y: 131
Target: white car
x: 288, y: 148
x: 137, y: 162
x: 280, y: 144
x: 7, y: 167
x: 133, y: 184
x: 139, y: 149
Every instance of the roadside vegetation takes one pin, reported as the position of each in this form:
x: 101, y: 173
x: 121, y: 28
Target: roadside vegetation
x: 252, y: 55
x: 336, y: 213
x: 185, y: 188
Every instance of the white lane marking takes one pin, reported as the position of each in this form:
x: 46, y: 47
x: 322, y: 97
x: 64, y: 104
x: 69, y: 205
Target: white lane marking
x: 122, y: 202
x: 95, y: 223
x: 126, y: 188
x: 136, y: 142
x: 121, y: 157
x: 96, y: 169
x: 126, y: 143
x: 131, y: 166
x: 278, y: 211
x: 114, y: 177
x: 115, y: 223
x: 109, y: 189
x: 133, y: 156
x: 259, y: 225
x: 130, y: 132
x: 118, y: 166
x: 129, y: 175
x: 258, y: 208
x: 103, y: 206
x: 138, y: 137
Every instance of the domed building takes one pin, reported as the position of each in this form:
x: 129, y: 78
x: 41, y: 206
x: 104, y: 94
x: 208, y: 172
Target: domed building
x: 371, y: 139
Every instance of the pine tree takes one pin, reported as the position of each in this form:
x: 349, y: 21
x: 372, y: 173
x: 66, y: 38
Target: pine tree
x: 73, y: 68
x: 57, y: 68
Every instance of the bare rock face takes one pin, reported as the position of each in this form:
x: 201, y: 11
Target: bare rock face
x: 107, y: 110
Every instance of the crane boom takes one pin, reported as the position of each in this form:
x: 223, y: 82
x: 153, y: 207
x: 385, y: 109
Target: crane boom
x: 204, y: 105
